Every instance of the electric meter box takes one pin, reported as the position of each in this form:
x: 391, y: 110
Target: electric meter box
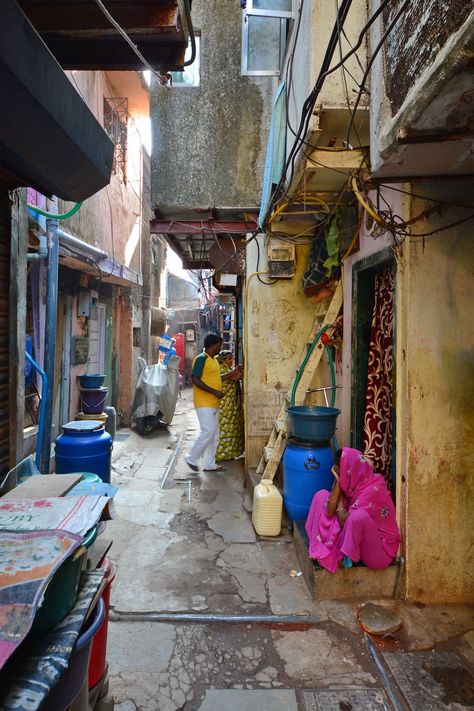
x: 281, y: 256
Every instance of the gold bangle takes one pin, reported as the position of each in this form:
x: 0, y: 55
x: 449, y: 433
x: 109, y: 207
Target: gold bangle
x: 341, y: 508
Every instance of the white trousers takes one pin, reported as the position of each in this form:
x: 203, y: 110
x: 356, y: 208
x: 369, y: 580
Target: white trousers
x: 207, y: 440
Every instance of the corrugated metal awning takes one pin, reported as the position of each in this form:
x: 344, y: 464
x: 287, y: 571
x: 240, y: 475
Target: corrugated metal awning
x: 195, y: 240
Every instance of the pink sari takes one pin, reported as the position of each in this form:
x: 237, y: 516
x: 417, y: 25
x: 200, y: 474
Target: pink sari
x: 370, y: 533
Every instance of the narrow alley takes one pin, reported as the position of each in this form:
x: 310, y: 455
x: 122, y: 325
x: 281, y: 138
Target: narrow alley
x: 236, y: 355
x: 192, y: 575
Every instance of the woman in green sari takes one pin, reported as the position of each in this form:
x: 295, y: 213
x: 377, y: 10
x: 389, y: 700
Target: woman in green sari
x: 231, y: 414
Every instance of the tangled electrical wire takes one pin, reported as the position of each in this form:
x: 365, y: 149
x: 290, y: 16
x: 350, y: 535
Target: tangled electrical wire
x: 386, y: 220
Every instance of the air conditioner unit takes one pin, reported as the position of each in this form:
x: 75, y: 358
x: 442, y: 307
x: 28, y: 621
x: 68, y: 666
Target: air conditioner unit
x: 281, y: 258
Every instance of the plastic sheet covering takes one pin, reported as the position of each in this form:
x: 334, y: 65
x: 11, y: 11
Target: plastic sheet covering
x: 157, y: 390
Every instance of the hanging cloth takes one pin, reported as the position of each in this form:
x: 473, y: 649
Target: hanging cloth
x: 378, y: 401
x: 323, y: 265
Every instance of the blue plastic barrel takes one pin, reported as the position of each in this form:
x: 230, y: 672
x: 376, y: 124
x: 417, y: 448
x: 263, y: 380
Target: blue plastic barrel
x: 306, y: 470
x: 84, y: 446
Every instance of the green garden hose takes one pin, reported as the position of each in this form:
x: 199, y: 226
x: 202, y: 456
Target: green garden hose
x: 53, y: 215
x: 333, y: 375
x: 303, y: 365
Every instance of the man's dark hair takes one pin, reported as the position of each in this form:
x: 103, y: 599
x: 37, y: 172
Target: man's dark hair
x: 212, y: 339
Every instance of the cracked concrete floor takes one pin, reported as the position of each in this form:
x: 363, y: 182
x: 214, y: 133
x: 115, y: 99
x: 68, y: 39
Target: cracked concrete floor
x: 190, y: 547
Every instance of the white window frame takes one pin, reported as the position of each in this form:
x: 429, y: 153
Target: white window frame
x: 269, y: 13
x: 245, y: 71
x: 250, y: 11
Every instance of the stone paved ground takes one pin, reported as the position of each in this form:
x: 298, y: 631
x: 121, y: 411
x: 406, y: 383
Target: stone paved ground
x: 189, y: 547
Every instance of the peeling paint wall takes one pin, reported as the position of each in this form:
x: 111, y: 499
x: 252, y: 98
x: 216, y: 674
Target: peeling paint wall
x: 323, y: 18
x: 277, y: 322
x: 111, y: 219
x: 435, y: 395
x: 434, y: 439
x: 209, y: 141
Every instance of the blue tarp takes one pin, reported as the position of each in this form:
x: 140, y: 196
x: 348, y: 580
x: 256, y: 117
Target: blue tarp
x: 276, y: 150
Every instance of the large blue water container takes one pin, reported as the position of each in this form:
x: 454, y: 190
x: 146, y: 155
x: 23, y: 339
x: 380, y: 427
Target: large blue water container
x: 306, y: 470
x: 84, y: 446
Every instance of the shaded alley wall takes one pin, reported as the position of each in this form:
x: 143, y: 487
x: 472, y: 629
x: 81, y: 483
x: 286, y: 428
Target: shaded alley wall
x: 111, y: 219
x: 209, y: 141
x: 435, y: 392
x: 277, y: 322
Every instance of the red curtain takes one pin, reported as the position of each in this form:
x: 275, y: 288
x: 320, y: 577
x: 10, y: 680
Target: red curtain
x: 378, y: 400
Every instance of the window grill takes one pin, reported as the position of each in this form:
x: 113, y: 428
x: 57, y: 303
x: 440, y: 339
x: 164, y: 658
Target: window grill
x: 115, y: 124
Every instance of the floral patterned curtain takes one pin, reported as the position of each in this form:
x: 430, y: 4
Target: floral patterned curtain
x: 378, y: 400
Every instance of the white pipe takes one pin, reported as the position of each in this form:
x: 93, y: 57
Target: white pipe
x: 79, y: 244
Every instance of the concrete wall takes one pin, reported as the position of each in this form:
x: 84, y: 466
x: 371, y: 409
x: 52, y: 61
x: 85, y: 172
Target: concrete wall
x: 435, y: 392
x: 209, y: 142
x: 277, y: 322
x: 317, y: 21
x: 323, y: 18
x: 111, y: 219
x: 434, y: 440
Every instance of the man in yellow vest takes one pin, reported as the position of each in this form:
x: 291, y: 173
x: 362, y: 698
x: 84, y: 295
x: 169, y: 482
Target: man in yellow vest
x: 207, y: 393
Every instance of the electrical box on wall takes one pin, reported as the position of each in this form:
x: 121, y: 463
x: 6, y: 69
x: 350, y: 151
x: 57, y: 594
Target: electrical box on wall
x: 84, y: 304
x: 281, y: 258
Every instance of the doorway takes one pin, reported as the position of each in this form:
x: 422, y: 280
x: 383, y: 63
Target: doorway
x: 96, y: 361
x: 373, y: 361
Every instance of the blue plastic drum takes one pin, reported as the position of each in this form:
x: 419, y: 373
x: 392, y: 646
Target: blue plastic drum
x: 306, y: 470
x: 84, y: 446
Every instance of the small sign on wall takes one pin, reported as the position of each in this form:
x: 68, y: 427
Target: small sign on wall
x: 190, y: 336
x: 80, y: 350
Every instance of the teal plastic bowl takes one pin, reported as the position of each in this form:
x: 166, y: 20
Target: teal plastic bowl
x: 91, y: 382
x: 61, y: 591
x: 313, y: 423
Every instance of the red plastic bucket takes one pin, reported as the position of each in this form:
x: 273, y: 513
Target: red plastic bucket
x: 98, y: 659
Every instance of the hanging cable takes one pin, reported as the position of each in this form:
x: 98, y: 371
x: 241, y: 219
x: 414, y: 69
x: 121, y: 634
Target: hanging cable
x: 371, y: 61
x: 134, y: 47
x: 187, y: 12
x: 312, y: 98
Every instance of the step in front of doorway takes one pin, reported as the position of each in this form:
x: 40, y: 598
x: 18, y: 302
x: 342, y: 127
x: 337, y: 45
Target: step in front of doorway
x: 353, y: 583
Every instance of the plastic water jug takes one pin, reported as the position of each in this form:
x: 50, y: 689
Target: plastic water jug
x: 267, y: 509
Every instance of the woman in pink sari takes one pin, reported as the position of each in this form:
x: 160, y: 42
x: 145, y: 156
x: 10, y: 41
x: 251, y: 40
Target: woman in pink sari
x: 356, y: 519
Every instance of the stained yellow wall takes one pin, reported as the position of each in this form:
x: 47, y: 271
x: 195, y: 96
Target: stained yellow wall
x: 435, y: 406
x: 277, y: 322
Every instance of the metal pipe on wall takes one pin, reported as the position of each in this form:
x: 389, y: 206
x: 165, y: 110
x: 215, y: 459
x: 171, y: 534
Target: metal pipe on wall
x: 75, y: 243
x: 44, y: 400
x: 50, y: 338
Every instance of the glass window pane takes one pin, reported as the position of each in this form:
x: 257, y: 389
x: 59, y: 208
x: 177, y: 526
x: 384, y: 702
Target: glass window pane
x: 264, y: 43
x: 273, y: 5
x: 190, y: 76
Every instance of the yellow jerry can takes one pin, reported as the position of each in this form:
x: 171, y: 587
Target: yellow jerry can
x: 267, y: 509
